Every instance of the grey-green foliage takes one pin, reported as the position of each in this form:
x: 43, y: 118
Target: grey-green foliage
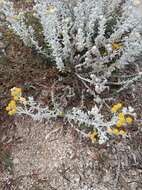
x: 81, y: 35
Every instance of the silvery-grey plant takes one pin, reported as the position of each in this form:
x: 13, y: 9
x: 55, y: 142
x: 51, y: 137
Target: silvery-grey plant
x: 92, y: 120
x: 81, y: 36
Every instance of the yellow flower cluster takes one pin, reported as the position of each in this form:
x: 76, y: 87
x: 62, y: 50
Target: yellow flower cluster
x: 122, y: 120
x: 16, y: 94
x: 11, y: 107
x: 115, y: 131
x: 92, y: 136
x: 116, y: 46
x: 116, y: 107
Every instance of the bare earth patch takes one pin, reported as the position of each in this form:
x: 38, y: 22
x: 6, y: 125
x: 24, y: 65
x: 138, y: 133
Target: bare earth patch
x: 47, y: 158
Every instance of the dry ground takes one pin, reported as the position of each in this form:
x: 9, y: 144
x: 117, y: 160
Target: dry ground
x: 50, y: 157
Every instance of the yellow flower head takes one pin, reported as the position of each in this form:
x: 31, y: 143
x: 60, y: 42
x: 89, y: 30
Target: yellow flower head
x: 11, y: 107
x: 116, y: 46
x: 116, y: 107
x: 92, y: 136
x: 12, y: 112
x: 16, y: 93
x: 119, y: 124
x: 121, y: 117
x: 115, y: 131
x: 122, y: 132
x: 129, y: 120
x: 121, y: 120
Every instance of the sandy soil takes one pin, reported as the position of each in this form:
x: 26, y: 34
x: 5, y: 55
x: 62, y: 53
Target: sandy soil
x: 50, y: 158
